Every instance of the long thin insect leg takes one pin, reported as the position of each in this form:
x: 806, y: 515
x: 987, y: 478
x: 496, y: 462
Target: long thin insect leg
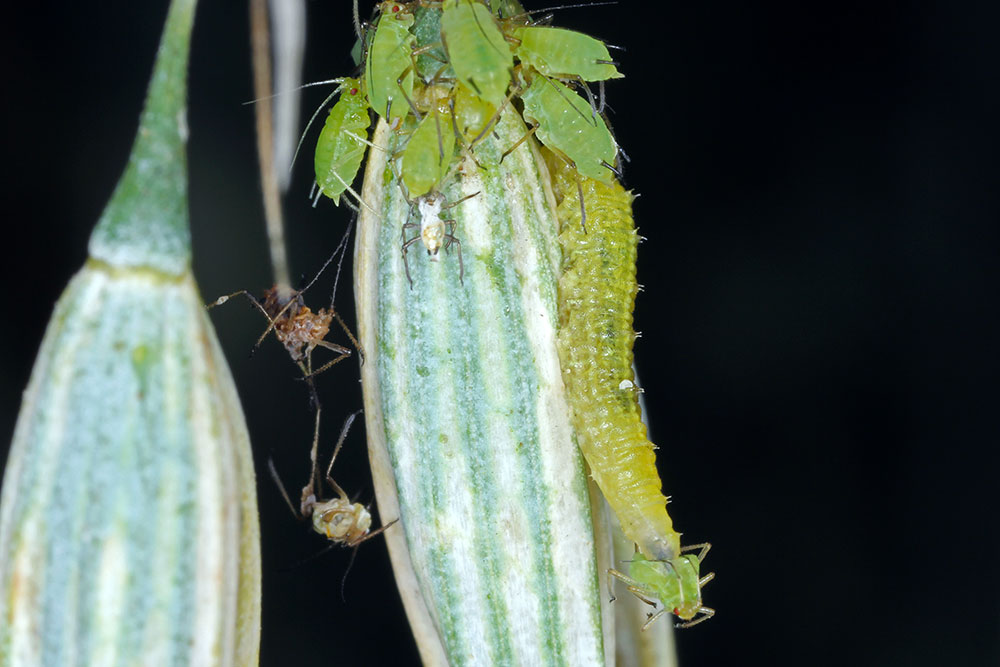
x: 343, y: 352
x: 336, y: 450
x: 222, y: 299
x: 641, y: 594
x: 534, y: 128
x: 652, y: 619
x: 374, y: 533
x: 456, y: 203
x: 281, y: 487
x: 406, y: 265
x: 621, y: 576
x: 454, y: 239
x: 704, y: 580
x: 494, y: 120
x: 704, y: 546
x: 706, y: 613
x: 600, y: 90
x: 357, y: 23
x: 309, y: 490
x: 583, y: 208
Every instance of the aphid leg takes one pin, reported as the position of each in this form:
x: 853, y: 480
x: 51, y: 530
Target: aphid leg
x: 579, y: 80
x: 704, y: 546
x: 491, y: 123
x: 567, y: 101
x: 406, y: 265
x: 704, y: 580
x: 341, y: 351
x: 705, y: 614
x: 281, y: 487
x: 600, y: 91
x: 399, y: 82
x: 583, y: 207
x: 336, y: 450
x: 222, y: 299
x: 374, y: 533
x: 456, y: 203
x: 271, y: 322
x: 629, y: 581
x: 357, y: 25
x: 308, y: 498
x: 652, y: 619
x: 534, y: 128
x: 641, y: 594
x: 451, y: 238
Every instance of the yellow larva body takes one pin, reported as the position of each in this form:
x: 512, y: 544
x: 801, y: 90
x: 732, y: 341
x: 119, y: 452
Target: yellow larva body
x: 596, y: 294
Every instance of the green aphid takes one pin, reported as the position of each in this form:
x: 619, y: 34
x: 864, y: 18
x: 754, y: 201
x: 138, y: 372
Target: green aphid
x: 676, y: 584
x: 568, y: 125
x: 477, y: 50
x: 388, y: 66
x: 428, y: 154
x: 341, y: 144
x: 565, y: 54
x: 432, y: 60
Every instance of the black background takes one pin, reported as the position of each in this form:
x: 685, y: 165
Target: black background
x: 819, y: 190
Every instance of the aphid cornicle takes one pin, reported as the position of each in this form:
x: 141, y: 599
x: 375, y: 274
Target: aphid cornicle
x: 597, y: 292
x: 341, y: 144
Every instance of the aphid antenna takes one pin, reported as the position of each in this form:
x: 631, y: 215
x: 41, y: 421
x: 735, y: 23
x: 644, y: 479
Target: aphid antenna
x: 294, y: 90
x: 312, y: 118
x: 555, y: 8
x: 281, y: 487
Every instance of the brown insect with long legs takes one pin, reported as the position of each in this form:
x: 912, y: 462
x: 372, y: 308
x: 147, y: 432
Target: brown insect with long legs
x: 338, y: 519
x: 296, y: 326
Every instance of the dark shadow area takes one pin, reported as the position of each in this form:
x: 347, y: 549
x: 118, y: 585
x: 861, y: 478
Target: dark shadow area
x: 819, y: 190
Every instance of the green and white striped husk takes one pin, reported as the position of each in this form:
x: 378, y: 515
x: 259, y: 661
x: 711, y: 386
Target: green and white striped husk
x: 468, y: 428
x: 128, y: 518
x: 128, y: 532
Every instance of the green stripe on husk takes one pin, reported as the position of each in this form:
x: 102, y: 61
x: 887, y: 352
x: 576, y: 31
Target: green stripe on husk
x: 128, y: 531
x: 464, y: 399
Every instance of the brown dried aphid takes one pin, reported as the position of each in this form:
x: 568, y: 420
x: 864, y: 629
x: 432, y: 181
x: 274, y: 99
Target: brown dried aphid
x: 338, y: 519
x: 296, y: 326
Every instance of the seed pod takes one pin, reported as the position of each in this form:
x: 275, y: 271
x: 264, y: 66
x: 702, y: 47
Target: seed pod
x: 468, y: 426
x: 128, y: 520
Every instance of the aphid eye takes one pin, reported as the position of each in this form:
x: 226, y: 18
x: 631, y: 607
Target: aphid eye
x: 395, y: 8
x: 354, y: 91
x: 677, y: 611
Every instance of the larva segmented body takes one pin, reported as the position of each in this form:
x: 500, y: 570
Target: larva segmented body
x: 596, y: 294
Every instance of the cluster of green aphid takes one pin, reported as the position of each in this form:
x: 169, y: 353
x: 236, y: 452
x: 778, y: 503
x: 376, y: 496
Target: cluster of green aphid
x: 441, y: 74
x: 451, y: 68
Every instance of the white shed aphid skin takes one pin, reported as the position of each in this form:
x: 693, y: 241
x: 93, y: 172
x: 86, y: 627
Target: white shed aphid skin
x: 434, y: 232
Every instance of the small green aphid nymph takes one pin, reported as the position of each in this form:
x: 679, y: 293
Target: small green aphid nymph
x: 676, y: 584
